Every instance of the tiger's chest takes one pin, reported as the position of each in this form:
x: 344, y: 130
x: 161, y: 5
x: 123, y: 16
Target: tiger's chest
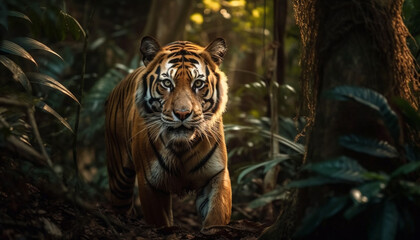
x: 189, y: 170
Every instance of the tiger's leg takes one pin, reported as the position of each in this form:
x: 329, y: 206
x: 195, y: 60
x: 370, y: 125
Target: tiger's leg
x: 155, y: 205
x: 121, y: 185
x: 121, y: 175
x: 214, y: 201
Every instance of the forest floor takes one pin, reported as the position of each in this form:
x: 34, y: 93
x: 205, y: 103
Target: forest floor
x: 37, y: 211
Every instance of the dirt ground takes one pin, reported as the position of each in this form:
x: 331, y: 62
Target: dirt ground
x: 39, y: 212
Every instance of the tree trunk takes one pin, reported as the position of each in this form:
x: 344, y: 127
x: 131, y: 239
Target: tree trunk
x: 349, y: 42
x: 280, y: 14
x: 167, y: 19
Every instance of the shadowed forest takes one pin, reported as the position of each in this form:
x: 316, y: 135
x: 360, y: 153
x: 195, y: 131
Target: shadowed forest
x: 322, y: 124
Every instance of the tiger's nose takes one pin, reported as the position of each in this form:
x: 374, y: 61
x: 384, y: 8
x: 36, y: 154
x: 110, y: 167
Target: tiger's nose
x: 182, y: 114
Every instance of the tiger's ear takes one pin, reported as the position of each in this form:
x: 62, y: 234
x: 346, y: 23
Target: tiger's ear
x: 149, y: 48
x: 217, y: 50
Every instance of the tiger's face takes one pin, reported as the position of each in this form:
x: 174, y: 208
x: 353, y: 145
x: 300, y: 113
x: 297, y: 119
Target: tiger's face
x: 183, y: 92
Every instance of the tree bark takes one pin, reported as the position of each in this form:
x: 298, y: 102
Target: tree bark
x: 359, y: 43
x: 167, y: 19
x: 280, y: 14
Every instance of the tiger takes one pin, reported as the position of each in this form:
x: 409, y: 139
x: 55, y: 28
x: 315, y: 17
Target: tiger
x: 164, y: 127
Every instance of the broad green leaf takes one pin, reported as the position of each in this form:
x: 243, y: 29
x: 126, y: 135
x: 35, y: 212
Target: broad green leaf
x: 18, y: 15
x: 312, y: 181
x: 372, y: 100
x: 72, y: 25
x: 406, y: 169
x: 343, y: 168
x: 18, y: 74
x: 276, y: 194
x: 412, y: 153
x: 12, y: 48
x: 411, y: 187
x: 355, y: 210
x: 385, y: 224
x: 46, y: 80
x: 251, y: 168
x: 48, y: 109
x: 376, y: 176
x: 297, y: 147
x: 372, y: 147
x: 314, y: 218
x: 32, y: 44
x: 411, y: 115
x: 275, y: 161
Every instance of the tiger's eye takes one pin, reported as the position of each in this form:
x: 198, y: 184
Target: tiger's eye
x: 198, y: 84
x: 167, y: 83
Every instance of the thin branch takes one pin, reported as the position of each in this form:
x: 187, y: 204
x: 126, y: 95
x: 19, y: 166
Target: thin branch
x: 241, y: 211
x: 82, y: 85
x: 19, y: 144
x: 22, y: 148
x: 248, y: 72
x: 34, y: 125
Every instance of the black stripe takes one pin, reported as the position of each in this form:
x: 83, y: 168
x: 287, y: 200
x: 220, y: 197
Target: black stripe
x: 128, y: 172
x: 207, y: 183
x: 217, y: 105
x: 157, y: 71
x: 184, y: 148
x: 155, y: 188
x: 205, y: 159
x: 202, y: 205
x: 121, y: 179
x: 172, y: 54
x: 207, y: 71
x: 123, y: 206
x: 160, y: 159
x: 194, y: 54
x: 145, y: 89
x: 175, y: 60
x: 121, y: 195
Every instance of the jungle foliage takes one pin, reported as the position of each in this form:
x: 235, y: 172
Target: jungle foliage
x: 61, y: 59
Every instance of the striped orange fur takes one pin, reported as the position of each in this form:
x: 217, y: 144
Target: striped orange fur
x: 164, y: 126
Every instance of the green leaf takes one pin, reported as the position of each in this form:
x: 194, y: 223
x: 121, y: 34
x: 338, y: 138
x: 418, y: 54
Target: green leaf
x: 372, y: 147
x: 343, y: 168
x: 412, y: 153
x: 46, y: 80
x: 313, y: 181
x: 297, y: 147
x: 411, y: 188
x: 12, y: 48
x: 272, y: 163
x: 314, y: 218
x: 385, y: 223
x: 72, y: 25
x: 411, y: 115
x: 18, y: 74
x: 355, y: 210
x: 18, y: 15
x: 276, y: 194
x: 32, y: 44
x: 376, y: 176
x: 371, y: 99
x: 45, y: 107
x: 406, y: 169
x: 251, y: 168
